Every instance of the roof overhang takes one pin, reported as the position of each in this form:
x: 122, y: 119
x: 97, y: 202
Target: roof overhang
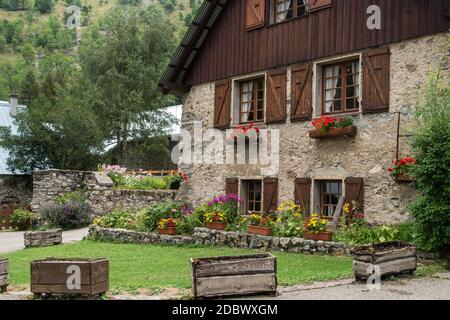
x: 172, y: 80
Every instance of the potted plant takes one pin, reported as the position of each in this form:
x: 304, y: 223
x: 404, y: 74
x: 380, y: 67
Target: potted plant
x: 329, y: 127
x: 402, y: 169
x: 167, y: 226
x: 259, y: 225
x: 316, y: 229
x: 245, y: 131
x: 215, y: 220
x: 175, y: 180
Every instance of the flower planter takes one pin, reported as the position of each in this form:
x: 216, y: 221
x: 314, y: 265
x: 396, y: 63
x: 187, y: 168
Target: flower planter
x: 4, y: 271
x: 168, y: 231
x: 390, y: 258
x: 235, y: 275
x: 324, y: 236
x: 403, y: 178
x: 59, y: 276
x: 42, y: 238
x: 349, y: 131
x: 216, y: 225
x: 262, y: 231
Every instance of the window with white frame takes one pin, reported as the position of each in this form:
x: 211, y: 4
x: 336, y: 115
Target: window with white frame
x: 282, y: 10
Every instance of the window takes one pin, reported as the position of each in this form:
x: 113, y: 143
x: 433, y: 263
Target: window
x: 288, y: 9
x: 251, y: 106
x: 340, y: 87
x: 330, y: 192
x: 253, y: 199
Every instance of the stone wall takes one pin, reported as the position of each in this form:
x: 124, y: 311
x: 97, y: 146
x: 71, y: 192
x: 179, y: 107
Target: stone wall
x: 368, y: 155
x: 100, y: 194
x: 203, y: 236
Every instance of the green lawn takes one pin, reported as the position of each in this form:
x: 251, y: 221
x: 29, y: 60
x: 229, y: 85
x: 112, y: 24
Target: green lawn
x: 155, y: 267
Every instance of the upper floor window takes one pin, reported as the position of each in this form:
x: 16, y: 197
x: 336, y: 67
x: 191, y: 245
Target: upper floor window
x: 251, y: 106
x: 288, y: 9
x: 340, y: 87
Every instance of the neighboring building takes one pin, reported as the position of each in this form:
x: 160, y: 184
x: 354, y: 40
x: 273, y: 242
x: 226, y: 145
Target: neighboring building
x: 14, y: 187
x: 282, y: 63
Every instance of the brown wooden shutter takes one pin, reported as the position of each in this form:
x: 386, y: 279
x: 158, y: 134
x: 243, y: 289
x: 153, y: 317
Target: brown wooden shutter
x: 302, y: 193
x: 354, y: 191
x: 270, y: 194
x: 314, y: 5
x: 376, y: 75
x: 301, y: 93
x: 232, y: 186
x: 254, y: 14
x: 276, y: 96
x: 222, y: 105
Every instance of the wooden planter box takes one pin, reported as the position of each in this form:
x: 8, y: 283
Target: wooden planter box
x: 216, y: 225
x: 349, y: 131
x: 263, y: 231
x: 4, y: 271
x: 403, y: 178
x: 42, y: 238
x: 393, y: 258
x: 231, y: 276
x: 168, y: 231
x: 324, y: 236
x: 56, y: 276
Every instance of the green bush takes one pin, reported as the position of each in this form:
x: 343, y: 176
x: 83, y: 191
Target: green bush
x: 76, y: 196
x: 119, y: 218
x: 70, y: 215
x: 360, y: 234
x: 22, y: 220
x: 154, y: 213
x: 431, y: 145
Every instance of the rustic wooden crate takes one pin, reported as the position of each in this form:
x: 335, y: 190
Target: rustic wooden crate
x: 234, y: 275
x: 4, y: 271
x: 393, y: 258
x: 50, y: 276
x: 42, y: 238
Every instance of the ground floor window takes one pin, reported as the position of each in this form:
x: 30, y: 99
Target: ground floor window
x: 330, y: 192
x: 252, y: 195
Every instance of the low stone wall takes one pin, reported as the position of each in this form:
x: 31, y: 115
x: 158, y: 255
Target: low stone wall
x: 42, y: 238
x: 101, y: 196
x: 205, y: 236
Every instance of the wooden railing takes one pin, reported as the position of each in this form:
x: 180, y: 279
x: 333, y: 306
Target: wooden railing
x: 6, y: 211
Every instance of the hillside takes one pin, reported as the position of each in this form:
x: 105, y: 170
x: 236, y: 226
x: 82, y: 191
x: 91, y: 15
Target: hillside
x: 29, y: 32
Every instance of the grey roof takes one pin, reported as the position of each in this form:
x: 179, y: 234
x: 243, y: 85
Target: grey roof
x: 207, y: 14
x: 6, y: 120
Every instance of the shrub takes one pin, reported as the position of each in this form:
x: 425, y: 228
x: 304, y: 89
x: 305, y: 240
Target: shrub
x: 76, y: 196
x: 226, y: 204
x: 119, y: 218
x: 360, y: 234
x: 289, y: 221
x: 154, y: 213
x: 22, y: 220
x: 431, y: 145
x: 70, y: 215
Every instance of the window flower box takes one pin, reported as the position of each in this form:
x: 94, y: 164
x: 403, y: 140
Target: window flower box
x: 216, y: 225
x: 322, y: 235
x: 403, y: 178
x: 328, y: 127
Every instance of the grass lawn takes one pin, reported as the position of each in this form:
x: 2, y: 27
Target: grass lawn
x: 156, y: 267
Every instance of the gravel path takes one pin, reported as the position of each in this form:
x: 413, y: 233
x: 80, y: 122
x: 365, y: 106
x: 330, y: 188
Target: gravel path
x: 13, y: 241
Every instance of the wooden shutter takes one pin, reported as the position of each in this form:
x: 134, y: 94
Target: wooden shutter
x: 276, y: 96
x: 314, y: 5
x: 376, y: 75
x: 254, y: 14
x: 232, y: 186
x: 354, y: 191
x: 302, y: 193
x: 301, y: 93
x: 222, y: 105
x: 270, y: 194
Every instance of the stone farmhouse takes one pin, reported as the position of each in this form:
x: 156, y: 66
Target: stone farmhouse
x: 278, y: 65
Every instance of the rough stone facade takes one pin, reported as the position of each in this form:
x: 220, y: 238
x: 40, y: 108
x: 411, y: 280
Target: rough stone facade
x: 368, y: 155
x: 16, y: 189
x: 203, y: 236
x: 100, y: 194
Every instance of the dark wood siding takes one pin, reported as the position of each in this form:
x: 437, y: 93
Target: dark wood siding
x: 230, y: 50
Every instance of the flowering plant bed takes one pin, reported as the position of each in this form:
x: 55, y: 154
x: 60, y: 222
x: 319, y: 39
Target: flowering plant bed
x: 330, y: 127
x: 167, y: 226
x: 259, y: 225
x: 316, y: 229
x: 215, y: 220
x: 402, y: 169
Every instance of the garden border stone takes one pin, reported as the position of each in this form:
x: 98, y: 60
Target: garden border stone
x: 234, y: 239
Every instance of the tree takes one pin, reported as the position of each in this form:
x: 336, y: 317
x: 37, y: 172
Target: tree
x: 123, y: 64
x: 431, y: 144
x: 44, y: 6
x: 29, y: 88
